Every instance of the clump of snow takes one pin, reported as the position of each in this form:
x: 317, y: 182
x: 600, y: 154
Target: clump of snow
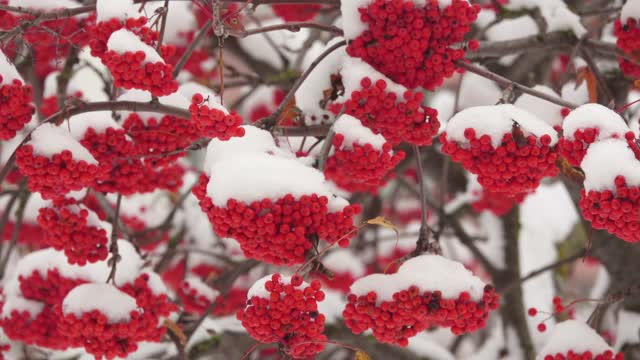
x: 310, y: 94
x: 106, y: 298
x: 608, y: 122
x: 100, y: 121
x: 151, y: 208
x: 630, y: 10
x: 555, y: 13
x: 155, y: 283
x: 48, y: 140
x: 180, y: 20
x: 119, y: 9
x: 574, y: 93
x: 203, y: 289
x: 496, y: 121
x: 627, y: 329
x: 354, y: 70
x: 254, y: 141
x: 252, y: 177
x: 332, y: 305
x: 576, y: 336
x: 428, y: 273
x: 188, y: 89
x: 8, y: 70
x: 257, y: 289
x: 470, y: 95
x: 544, y: 110
x: 344, y: 261
x: 123, y: 41
x: 509, y: 29
x: 444, y: 101
x: 427, y: 347
x: 607, y: 159
x: 18, y: 303
x: 356, y: 133
x: 389, y: 241
x: 45, y: 5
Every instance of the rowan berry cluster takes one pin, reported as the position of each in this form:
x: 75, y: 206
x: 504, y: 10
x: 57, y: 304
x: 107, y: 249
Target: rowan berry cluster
x: 514, y: 167
x: 587, y: 355
x: 574, y: 149
x: 214, y: 122
x: 59, y: 174
x: 152, y: 302
x: 339, y: 281
x: 498, y: 203
x: 361, y: 167
x: 281, y: 232
x: 296, y: 12
x: 412, y: 311
x: 413, y: 45
x: 50, y: 103
x: 613, y: 210
x: 287, y: 314
x: 628, y: 34
x: 398, y: 120
x: 101, y: 31
x: 15, y: 107
x: 68, y: 228
x: 131, y: 71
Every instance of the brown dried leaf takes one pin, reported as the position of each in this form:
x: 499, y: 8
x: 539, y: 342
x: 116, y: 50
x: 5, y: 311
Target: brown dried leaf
x: 361, y: 355
x: 569, y: 171
x: 176, y: 330
x: 585, y: 74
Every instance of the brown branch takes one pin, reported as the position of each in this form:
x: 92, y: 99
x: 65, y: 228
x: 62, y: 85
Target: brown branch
x: 113, y: 248
x: 48, y: 14
x: 292, y: 26
x: 192, y: 47
x: 163, y: 25
x: 506, y: 82
x: 530, y: 43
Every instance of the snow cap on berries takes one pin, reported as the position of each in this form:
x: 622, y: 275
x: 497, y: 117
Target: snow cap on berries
x: 8, y: 71
x: 354, y: 133
x: 496, y: 121
x: 105, y: 298
x: 544, y: 110
x: 123, y: 41
x: 99, y: 121
x: 48, y: 140
x: 176, y: 99
x: 344, y: 261
x: 354, y: 70
x: 608, y: 122
x: 605, y: 161
x: 575, y: 336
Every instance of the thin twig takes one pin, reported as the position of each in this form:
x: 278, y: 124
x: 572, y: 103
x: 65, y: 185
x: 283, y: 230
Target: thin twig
x: 293, y: 27
x: 192, y: 47
x: 113, y: 249
x: 24, y: 198
x: 163, y: 25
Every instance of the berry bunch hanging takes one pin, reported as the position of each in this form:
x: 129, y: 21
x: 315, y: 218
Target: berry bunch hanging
x: 575, y: 340
x: 214, y: 121
x: 627, y: 30
x: 509, y: 149
x: 101, y: 31
x: 284, y: 310
x: 15, y: 103
x: 411, y: 43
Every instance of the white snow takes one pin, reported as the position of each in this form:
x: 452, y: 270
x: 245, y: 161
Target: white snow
x: 123, y: 41
x: 586, y: 116
x: 8, y: 70
x: 444, y: 101
x: 555, y: 13
x: 106, y: 298
x: 155, y: 283
x: 354, y: 70
x: 119, y: 9
x: 509, y: 29
x: 289, y: 43
x: 428, y: 273
x: 87, y: 81
x: 45, y: 5
x: 599, y: 169
x: 631, y: 9
x: 426, y: 347
x: 332, y: 305
x: 252, y: 177
x: 574, y: 93
x: 628, y: 328
x: 544, y: 110
x: 496, y: 121
x: 188, y: 89
x: 20, y: 304
x: 48, y: 140
x: 573, y: 335
x: 344, y: 261
x: 201, y: 288
x: 356, y: 133
x: 476, y: 90
x: 100, y: 121
x: 257, y: 289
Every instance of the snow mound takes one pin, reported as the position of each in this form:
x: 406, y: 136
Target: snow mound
x: 48, y: 140
x: 18, y: 303
x: 470, y: 94
x: 195, y: 283
x: 123, y: 41
x: 555, y: 12
x: 496, y: 121
x: 599, y: 169
x: 107, y: 299
x: 574, y: 93
x: 100, y: 121
x: 344, y: 261
x: 586, y: 116
x: 176, y: 100
x: 573, y: 335
x: 356, y: 133
x: 188, y: 89
x: 544, y: 110
x: 257, y: 289
x: 428, y: 273
x: 119, y: 9
x: 354, y: 70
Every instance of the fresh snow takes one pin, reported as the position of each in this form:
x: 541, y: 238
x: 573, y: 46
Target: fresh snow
x: 100, y: 121
x: 476, y: 90
x: 188, y: 89
x: 573, y: 335
x: 356, y: 133
x: 544, y: 110
x: 428, y: 273
x: 201, y: 288
x: 123, y: 41
x: 48, y: 140
x: 354, y: 70
x: 574, y: 93
x: 106, y: 298
x: 252, y: 177
x: 344, y: 261
x: 176, y: 100
x: 630, y: 10
x: 586, y: 116
x: 8, y: 71
x: 257, y: 289
x: 119, y: 9
x: 599, y: 169
x: 555, y: 13
x: 496, y: 121
x: 18, y: 303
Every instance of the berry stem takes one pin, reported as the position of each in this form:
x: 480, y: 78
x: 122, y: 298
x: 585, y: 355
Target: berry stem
x: 115, y: 257
x: 23, y: 194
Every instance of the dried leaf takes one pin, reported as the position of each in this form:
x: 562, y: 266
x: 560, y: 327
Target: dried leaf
x: 176, y: 330
x: 569, y: 171
x: 361, y: 355
x: 637, y: 83
x: 290, y: 111
x: 585, y: 74
x: 382, y: 221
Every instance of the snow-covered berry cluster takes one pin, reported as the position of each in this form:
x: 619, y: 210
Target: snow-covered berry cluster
x: 15, y: 105
x: 385, y: 107
x: 101, y: 31
x: 361, y: 161
x: 284, y: 310
x: 587, y: 124
x: 296, y: 12
x: 411, y: 44
x: 575, y: 340
x: 509, y: 149
x: 75, y: 230
x: 214, y: 121
x: 56, y: 164
x: 397, y: 307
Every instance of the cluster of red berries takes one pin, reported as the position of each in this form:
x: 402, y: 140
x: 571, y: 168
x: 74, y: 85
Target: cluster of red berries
x: 339, y: 281
x: 50, y: 103
x: 281, y: 232
x: 361, y: 167
x: 159, y: 305
x: 104, y: 339
x: 296, y: 12
x: 396, y: 119
x: 587, y: 355
x: 628, y: 34
x: 53, y: 177
x: 575, y: 150
x: 498, y: 203
x: 613, y: 211
x: 15, y: 107
x: 130, y: 71
x: 413, y: 45
x: 288, y: 316
x: 214, y: 123
x: 155, y: 138
x: 410, y: 312
x: 194, y: 301
x: 101, y: 32
x: 50, y: 289
x: 69, y: 229
x: 515, y: 167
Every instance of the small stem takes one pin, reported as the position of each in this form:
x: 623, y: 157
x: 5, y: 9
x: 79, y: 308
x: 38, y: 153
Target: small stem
x: 24, y: 198
x: 326, y: 149
x: 115, y: 256
x: 293, y: 27
x: 192, y: 47
x: 163, y: 25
